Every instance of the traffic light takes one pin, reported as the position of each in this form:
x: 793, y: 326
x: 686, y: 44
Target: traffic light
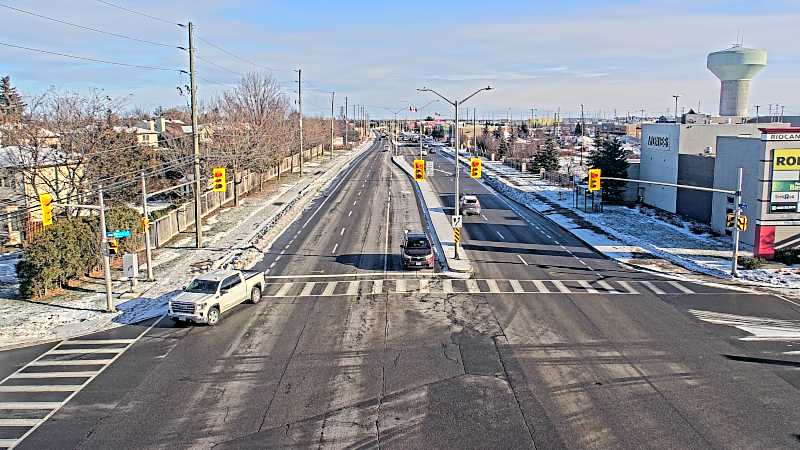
x: 113, y: 247
x: 594, y: 179
x: 46, y: 203
x: 419, y: 169
x: 475, y: 167
x: 729, y: 220
x: 219, y: 183
x: 145, y: 222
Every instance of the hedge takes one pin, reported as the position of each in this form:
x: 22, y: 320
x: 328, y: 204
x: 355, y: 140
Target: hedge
x: 70, y: 248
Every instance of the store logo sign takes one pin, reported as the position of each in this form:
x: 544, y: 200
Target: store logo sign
x: 786, y: 159
x: 658, y: 141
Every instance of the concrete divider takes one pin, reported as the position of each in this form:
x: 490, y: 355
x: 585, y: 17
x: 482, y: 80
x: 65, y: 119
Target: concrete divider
x: 439, y: 224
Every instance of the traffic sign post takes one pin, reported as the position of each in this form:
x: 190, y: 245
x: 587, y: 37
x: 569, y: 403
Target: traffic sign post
x: 457, y: 221
x: 457, y: 235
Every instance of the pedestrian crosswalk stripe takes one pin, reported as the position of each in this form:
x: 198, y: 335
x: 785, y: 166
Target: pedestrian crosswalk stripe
x: 54, y: 374
x: 75, y: 351
x: 28, y: 405
x: 42, y: 388
x: 73, y: 362
x: 98, y: 341
x: 19, y: 422
x: 434, y: 286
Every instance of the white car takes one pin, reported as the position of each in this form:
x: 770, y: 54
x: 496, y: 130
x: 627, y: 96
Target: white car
x: 211, y: 294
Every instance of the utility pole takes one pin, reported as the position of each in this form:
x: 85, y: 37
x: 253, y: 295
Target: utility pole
x: 333, y: 96
x: 146, y: 221
x: 300, y: 109
x: 676, y: 97
x: 346, y: 125
x: 583, y: 131
x: 737, y: 213
x: 104, y: 251
x: 758, y: 117
x: 458, y: 171
x: 198, y: 220
x: 474, y: 132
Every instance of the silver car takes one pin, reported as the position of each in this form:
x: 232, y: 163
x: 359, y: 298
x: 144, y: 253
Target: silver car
x: 470, y: 205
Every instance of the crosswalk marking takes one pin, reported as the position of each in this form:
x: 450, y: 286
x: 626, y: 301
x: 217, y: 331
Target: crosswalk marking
x: 85, y: 351
x: 27, y: 375
x: 42, y: 388
x: 74, y: 362
x: 284, y: 290
x: 329, y: 288
x: 447, y: 286
x: 425, y: 286
x: 561, y: 288
x: 19, y: 422
x: 681, y: 287
x: 585, y: 284
x: 28, y: 405
x: 653, y: 288
x: 352, y: 289
x: 99, y: 341
x: 307, y: 289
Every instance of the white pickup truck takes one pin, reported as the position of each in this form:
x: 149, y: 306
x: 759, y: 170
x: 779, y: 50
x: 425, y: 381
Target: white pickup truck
x: 213, y: 293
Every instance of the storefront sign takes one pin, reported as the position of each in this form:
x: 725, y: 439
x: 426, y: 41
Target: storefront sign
x: 660, y: 142
x: 790, y: 136
x: 784, y: 197
x: 786, y: 159
x: 785, y: 185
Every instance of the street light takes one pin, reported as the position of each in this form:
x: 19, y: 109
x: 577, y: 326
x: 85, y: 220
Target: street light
x: 458, y: 144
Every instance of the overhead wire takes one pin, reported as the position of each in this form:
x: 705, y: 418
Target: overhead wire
x: 84, y: 58
x: 133, y: 11
x: 122, y: 36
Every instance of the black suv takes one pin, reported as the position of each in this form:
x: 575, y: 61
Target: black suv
x: 416, y: 251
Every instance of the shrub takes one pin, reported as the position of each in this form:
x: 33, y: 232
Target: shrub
x: 748, y: 263
x: 788, y: 256
x: 70, y: 248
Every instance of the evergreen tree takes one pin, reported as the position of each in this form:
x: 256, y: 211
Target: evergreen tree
x: 523, y: 130
x: 11, y: 104
x: 578, y: 130
x: 503, y: 149
x: 547, y: 157
x: 612, y: 160
x: 498, y: 133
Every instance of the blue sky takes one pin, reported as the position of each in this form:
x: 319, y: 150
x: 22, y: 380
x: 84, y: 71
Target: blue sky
x: 608, y: 55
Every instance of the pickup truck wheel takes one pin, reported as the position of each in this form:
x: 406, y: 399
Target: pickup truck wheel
x: 255, y: 295
x: 213, y: 316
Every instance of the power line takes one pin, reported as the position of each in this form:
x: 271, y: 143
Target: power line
x: 145, y: 41
x: 219, y: 66
x: 65, y: 55
x: 140, y: 13
x: 233, y: 55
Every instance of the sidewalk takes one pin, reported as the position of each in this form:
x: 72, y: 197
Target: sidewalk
x: 235, y: 235
x: 638, y: 236
x: 438, y: 222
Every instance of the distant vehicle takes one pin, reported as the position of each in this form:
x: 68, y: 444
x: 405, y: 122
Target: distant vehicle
x: 416, y: 251
x: 423, y: 152
x: 470, y: 205
x: 386, y: 148
x: 210, y: 295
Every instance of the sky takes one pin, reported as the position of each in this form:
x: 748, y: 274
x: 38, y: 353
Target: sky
x: 609, y: 55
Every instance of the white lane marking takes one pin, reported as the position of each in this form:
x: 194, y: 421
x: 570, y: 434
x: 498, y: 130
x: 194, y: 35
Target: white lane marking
x: 272, y: 265
x: 523, y: 261
x: 548, y: 236
x: 284, y: 290
x: 628, y: 287
x: 30, y: 405
x: 516, y: 286
x: 400, y: 286
x: 98, y: 341
x: 354, y: 202
x: 681, y: 287
x: 352, y: 289
x: 560, y: 286
x: 447, y: 286
x: 585, y: 284
x: 557, y: 243
x: 74, y: 362
x: 283, y: 252
x: 386, y: 238
x: 54, y: 374
x: 341, y: 233
x: 337, y: 275
x: 307, y: 289
x: 424, y: 288
x: 18, y: 423
x: 278, y: 258
x: 607, y: 287
x: 484, y: 218
x: 493, y: 288
x: 334, y: 248
x: 377, y: 287
x: 472, y: 287
x: 329, y: 288
x: 501, y: 236
x: 350, y: 213
x: 42, y: 388
x: 582, y: 262
x: 541, y: 287
x: 444, y: 172
x: 85, y: 351
x: 653, y: 287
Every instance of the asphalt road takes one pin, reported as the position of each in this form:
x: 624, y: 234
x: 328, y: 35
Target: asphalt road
x: 550, y: 345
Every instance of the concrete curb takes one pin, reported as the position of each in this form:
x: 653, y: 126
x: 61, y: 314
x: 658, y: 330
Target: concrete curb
x: 454, y: 268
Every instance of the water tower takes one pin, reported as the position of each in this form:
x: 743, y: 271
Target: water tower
x: 736, y: 67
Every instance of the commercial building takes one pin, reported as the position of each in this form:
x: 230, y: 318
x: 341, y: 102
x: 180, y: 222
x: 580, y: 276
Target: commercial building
x: 770, y: 190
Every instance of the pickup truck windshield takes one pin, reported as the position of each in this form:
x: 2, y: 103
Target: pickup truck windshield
x: 202, y: 287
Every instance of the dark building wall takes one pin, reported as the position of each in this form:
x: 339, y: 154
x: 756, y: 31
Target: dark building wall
x: 695, y: 170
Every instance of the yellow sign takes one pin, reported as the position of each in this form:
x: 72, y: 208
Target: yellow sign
x: 456, y: 235
x: 786, y: 159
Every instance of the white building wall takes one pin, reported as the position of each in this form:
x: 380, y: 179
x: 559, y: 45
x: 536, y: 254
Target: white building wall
x: 659, y: 162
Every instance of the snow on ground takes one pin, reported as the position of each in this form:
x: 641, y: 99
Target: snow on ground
x: 633, y: 234
x: 81, y: 311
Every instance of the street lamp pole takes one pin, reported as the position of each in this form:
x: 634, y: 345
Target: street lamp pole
x: 456, y: 104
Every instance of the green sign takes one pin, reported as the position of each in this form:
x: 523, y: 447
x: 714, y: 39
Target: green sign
x: 785, y: 186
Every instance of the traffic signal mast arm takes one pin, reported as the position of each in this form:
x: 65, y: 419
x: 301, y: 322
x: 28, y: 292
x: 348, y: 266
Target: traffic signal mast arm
x: 682, y: 186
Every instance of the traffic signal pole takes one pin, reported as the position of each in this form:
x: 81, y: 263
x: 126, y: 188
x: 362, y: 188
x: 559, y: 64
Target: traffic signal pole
x: 737, y: 213
x: 457, y: 210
